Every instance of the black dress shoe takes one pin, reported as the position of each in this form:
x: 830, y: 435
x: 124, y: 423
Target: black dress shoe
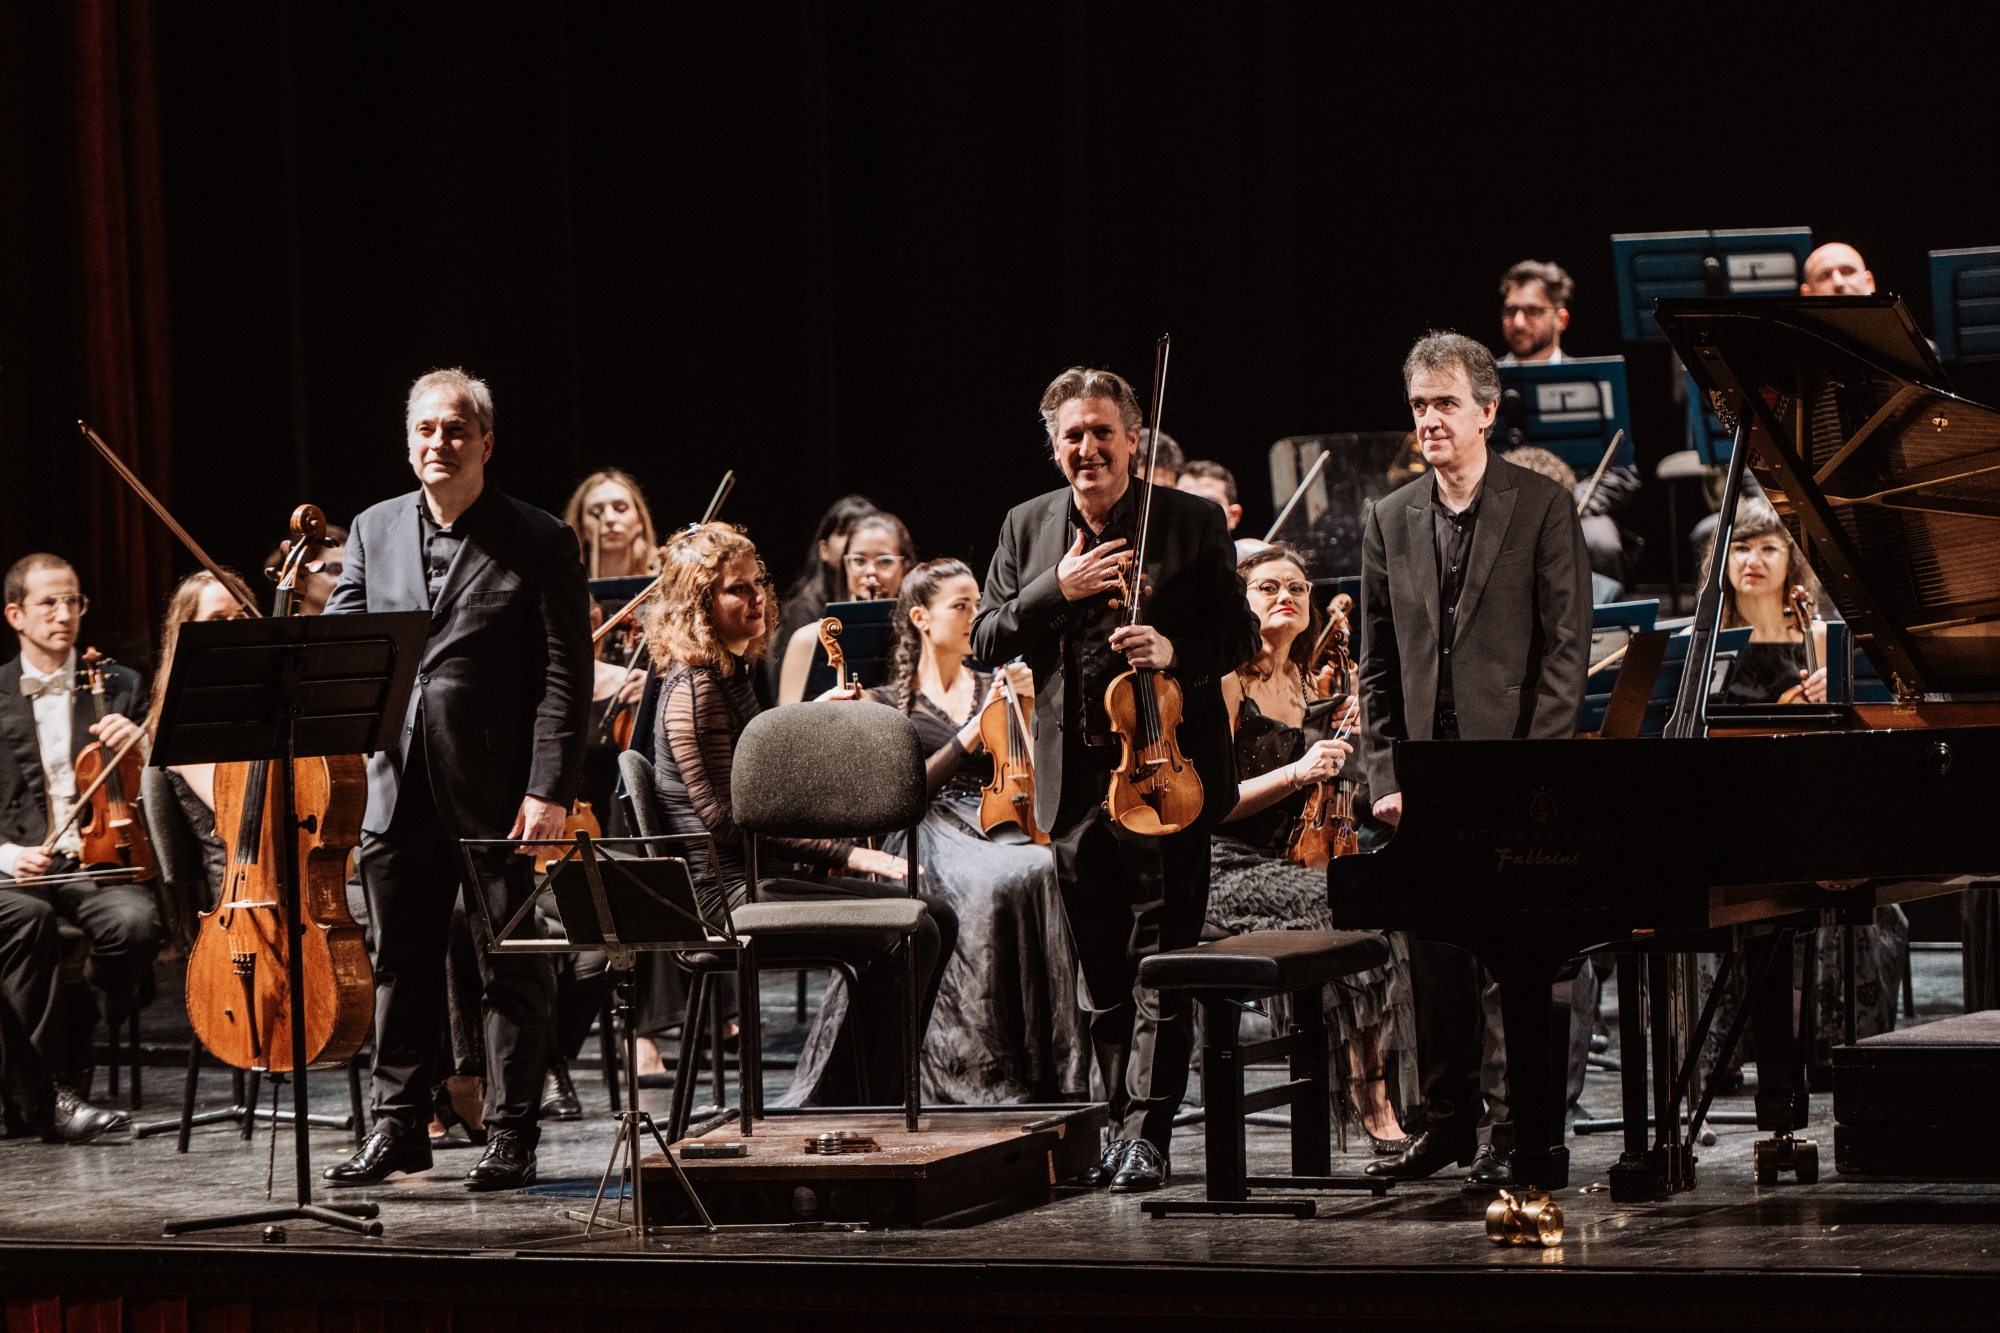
x: 563, y: 1103
x: 389, y: 1149
x: 1491, y: 1171
x: 1100, y: 1175
x: 75, y: 1120
x: 1427, y: 1154
x: 1145, y: 1168
x: 508, y: 1164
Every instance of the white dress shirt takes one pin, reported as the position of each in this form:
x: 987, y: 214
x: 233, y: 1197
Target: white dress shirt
x: 52, y: 695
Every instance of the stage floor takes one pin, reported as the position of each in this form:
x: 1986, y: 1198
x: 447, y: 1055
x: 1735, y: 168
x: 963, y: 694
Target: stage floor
x: 1926, y: 1252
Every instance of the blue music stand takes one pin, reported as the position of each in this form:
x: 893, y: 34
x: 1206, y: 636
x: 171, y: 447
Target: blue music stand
x: 1756, y: 261
x: 1965, y: 303
x: 1573, y: 408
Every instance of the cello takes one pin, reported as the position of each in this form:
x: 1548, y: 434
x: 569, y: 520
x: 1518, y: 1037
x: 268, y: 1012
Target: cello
x: 113, y: 837
x: 1154, y: 790
x: 1009, y: 799
x: 238, y: 987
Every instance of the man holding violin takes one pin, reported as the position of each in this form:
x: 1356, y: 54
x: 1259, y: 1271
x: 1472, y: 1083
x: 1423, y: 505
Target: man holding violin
x: 492, y: 748
x: 1052, y: 596
x: 46, y: 722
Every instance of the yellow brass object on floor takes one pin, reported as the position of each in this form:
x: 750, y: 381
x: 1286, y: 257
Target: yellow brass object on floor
x: 1530, y: 1217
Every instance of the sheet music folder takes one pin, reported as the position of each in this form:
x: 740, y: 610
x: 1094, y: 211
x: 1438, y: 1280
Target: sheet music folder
x: 347, y: 680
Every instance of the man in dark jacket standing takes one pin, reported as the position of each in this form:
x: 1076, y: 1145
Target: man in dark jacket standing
x: 1475, y: 598
x: 1049, y: 596
x: 492, y: 748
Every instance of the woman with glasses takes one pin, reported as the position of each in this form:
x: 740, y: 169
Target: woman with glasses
x: 875, y: 557
x: 1280, y: 756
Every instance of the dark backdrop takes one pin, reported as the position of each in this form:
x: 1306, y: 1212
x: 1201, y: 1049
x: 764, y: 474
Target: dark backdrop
x: 843, y: 247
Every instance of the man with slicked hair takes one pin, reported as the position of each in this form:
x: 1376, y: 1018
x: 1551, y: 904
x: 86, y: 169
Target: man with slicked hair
x: 1475, y: 597
x: 1050, y: 597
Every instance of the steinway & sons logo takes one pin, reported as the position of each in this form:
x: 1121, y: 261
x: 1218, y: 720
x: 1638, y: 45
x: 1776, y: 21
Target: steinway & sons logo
x: 1542, y: 805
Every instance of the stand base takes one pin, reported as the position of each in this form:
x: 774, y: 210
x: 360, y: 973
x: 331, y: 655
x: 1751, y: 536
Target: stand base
x: 353, y: 1216
x: 234, y: 1115
x: 1657, y: 1173
x: 1375, y: 1185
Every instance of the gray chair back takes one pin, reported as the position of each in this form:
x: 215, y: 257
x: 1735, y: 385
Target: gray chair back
x: 637, y: 771
x: 829, y: 770
x: 183, y: 887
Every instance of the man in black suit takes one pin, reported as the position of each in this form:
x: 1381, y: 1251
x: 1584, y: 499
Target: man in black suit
x: 1475, y: 597
x: 46, y: 721
x: 492, y: 748
x: 1049, y: 597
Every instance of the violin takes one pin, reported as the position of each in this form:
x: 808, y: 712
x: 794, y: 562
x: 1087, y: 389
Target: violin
x: 113, y: 837
x: 829, y: 639
x: 1007, y: 805
x: 238, y: 987
x: 1326, y: 824
x: 1800, y: 606
x: 1154, y: 790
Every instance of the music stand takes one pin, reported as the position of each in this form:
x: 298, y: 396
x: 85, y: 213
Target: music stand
x: 866, y: 637
x: 279, y: 690
x: 1739, y: 261
x: 1964, y: 285
x: 1572, y: 408
x: 622, y: 906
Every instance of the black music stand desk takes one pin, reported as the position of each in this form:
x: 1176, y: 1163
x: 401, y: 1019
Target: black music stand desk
x: 283, y: 689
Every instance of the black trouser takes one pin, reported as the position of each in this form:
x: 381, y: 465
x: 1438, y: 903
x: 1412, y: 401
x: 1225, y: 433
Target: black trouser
x: 414, y: 875
x: 1114, y: 922
x: 1448, y: 983
x: 122, y: 923
x: 30, y: 1001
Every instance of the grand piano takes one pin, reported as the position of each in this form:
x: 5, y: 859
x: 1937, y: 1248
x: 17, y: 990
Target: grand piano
x: 1739, y: 826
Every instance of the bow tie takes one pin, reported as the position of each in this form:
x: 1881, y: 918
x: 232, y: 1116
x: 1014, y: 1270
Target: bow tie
x: 36, y: 687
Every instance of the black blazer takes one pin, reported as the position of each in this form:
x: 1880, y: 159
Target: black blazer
x: 24, y: 791
x: 504, y: 687
x: 1197, y: 601
x: 1522, y: 643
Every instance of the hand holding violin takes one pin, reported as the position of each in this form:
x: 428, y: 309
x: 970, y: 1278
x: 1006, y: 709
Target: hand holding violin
x: 1144, y: 647
x: 1321, y: 763
x: 114, y: 729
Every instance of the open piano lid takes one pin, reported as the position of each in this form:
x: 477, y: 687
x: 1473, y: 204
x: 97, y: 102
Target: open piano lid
x: 1892, y: 481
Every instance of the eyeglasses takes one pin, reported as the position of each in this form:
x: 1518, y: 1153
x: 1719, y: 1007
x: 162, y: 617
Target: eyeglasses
x: 882, y: 564
x: 1508, y: 312
x: 48, y: 606
x: 1271, y: 588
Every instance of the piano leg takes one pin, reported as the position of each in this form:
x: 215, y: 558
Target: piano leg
x: 1784, y: 1045
x: 1636, y: 1177
x: 1537, y: 1061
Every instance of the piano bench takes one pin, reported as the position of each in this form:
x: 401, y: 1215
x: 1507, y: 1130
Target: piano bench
x: 1224, y: 976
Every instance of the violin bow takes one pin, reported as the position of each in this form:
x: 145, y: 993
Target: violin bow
x: 1598, y: 475
x: 1298, y: 494
x: 722, y: 491
x: 152, y: 502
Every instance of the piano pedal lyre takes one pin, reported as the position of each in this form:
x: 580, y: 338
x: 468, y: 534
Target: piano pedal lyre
x: 1782, y: 1152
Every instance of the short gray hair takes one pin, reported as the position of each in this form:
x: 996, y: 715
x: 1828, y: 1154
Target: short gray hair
x: 1083, y: 382
x: 1440, y: 351
x: 470, y: 390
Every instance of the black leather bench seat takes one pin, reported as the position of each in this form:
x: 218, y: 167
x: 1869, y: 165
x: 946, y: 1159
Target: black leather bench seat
x: 1266, y: 962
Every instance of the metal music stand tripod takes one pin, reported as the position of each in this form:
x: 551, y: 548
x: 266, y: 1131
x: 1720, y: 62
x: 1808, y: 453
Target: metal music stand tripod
x: 622, y: 906
x: 279, y: 690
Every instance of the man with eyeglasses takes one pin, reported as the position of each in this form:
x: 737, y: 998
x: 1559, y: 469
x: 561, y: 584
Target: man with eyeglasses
x: 1534, y: 312
x: 1052, y: 595
x: 46, y: 721
x: 1475, y: 601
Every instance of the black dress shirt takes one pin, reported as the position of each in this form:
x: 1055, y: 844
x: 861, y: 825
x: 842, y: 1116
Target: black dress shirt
x: 441, y: 544
x: 1090, y: 660
x: 1453, y: 532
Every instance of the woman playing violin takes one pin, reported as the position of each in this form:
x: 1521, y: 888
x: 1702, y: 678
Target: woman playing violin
x: 1765, y: 566
x: 1280, y: 756
x: 1007, y: 1027
x: 608, y: 514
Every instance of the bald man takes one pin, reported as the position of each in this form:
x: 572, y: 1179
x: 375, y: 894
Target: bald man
x: 1837, y: 269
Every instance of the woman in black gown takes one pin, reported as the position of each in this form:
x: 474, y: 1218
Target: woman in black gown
x: 1007, y: 1026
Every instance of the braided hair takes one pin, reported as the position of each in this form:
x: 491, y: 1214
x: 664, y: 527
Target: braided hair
x: 920, y: 588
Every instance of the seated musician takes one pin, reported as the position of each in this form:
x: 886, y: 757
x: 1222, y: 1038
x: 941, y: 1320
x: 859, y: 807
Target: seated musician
x: 1007, y: 1028
x: 31, y: 1102
x: 1837, y: 269
x: 1765, y: 564
x: 1493, y: 554
x: 713, y: 621
x: 1534, y: 312
x: 1214, y: 481
x: 822, y: 576
x: 876, y: 555
x: 1253, y: 886
x: 608, y: 513
x: 200, y: 597
x: 46, y: 721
